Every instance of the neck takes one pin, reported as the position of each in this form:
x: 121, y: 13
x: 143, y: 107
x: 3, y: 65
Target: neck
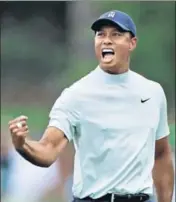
x: 111, y: 78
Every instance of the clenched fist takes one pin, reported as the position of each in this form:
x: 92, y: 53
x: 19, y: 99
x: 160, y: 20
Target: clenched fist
x: 19, y: 130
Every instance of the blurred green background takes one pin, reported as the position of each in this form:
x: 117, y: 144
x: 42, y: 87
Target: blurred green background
x: 46, y: 46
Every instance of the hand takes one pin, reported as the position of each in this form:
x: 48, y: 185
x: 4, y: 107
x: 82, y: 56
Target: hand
x: 19, y: 130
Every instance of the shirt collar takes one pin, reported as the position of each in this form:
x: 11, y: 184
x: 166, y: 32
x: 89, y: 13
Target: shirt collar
x: 108, y: 78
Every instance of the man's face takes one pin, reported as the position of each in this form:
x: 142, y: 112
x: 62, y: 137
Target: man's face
x: 113, y: 47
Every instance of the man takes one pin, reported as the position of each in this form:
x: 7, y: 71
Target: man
x: 117, y: 121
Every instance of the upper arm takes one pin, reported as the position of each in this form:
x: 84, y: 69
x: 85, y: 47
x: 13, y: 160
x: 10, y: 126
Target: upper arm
x: 54, y: 138
x: 64, y: 114
x: 162, y: 146
x: 163, y: 128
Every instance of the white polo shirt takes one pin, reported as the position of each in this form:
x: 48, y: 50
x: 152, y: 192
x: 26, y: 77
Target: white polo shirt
x: 113, y: 121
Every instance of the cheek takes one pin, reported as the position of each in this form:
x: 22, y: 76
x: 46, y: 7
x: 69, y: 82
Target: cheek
x: 122, y: 47
x: 97, y: 50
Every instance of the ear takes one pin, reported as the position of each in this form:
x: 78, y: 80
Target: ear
x: 133, y: 43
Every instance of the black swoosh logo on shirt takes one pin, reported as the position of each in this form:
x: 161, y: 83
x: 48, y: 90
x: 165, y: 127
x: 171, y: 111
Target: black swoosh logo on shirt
x: 142, y: 101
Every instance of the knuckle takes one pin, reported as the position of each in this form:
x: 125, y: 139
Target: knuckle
x: 13, y: 130
x: 11, y: 126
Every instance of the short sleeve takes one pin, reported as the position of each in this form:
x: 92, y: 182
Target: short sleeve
x: 64, y: 114
x: 163, y: 127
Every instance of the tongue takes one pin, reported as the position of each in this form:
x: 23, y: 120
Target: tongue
x: 108, y: 58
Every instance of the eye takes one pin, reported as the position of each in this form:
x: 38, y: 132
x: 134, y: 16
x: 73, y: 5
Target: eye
x: 100, y: 33
x: 117, y: 34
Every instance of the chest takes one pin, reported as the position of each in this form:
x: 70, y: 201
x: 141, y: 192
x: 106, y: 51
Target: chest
x: 118, y: 108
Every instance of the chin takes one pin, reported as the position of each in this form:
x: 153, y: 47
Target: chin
x: 108, y: 67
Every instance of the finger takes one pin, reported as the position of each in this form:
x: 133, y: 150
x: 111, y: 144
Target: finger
x: 18, y: 119
x: 23, y: 129
x: 14, y: 131
x: 14, y: 125
x: 21, y: 124
x: 21, y: 133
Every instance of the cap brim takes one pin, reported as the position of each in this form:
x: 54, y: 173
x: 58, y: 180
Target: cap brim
x: 103, y: 22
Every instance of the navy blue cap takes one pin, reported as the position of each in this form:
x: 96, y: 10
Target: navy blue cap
x: 117, y: 18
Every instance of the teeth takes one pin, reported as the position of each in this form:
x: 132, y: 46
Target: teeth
x: 107, y: 50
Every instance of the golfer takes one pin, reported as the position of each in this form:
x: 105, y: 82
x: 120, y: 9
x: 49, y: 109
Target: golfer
x: 117, y: 120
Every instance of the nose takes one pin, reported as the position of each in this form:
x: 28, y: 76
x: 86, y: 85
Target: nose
x: 107, y: 41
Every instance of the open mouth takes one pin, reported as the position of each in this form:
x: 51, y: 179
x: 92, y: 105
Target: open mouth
x: 107, y: 55
x: 107, y: 52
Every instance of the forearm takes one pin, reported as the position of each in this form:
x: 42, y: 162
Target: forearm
x: 37, y: 153
x: 163, y: 175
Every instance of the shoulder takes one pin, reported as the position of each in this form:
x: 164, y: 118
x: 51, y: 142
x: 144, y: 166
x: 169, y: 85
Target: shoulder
x: 71, y: 95
x: 146, y: 83
x: 148, y: 86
